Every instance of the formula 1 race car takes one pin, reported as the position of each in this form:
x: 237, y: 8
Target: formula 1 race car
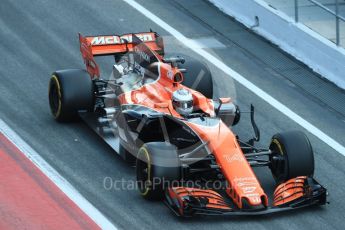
x: 159, y: 113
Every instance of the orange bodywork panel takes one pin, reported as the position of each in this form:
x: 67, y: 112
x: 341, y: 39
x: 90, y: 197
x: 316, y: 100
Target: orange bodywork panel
x: 243, y: 183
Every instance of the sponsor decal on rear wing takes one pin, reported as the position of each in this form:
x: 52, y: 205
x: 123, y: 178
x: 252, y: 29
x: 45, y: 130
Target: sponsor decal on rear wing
x: 113, y: 44
x: 113, y: 40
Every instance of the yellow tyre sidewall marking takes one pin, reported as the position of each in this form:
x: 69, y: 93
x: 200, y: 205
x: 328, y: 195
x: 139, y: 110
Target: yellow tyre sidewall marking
x: 57, y: 83
x: 147, y: 155
x: 275, y: 141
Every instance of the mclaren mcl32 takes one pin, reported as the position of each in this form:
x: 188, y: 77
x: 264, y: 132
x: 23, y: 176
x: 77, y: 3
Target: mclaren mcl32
x: 159, y: 113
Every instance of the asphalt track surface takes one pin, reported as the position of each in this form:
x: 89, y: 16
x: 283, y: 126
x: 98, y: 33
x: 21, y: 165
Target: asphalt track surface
x: 38, y: 37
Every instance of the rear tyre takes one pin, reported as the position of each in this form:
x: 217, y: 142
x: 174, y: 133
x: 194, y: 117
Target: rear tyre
x: 292, y: 156
x: 198, y: 76
x: 69, y: 91
x: 157, y: 165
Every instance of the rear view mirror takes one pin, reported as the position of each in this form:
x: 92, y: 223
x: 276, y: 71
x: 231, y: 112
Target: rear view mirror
x: 224, y: 100
x: 174, y: 60
x: 178, y: 78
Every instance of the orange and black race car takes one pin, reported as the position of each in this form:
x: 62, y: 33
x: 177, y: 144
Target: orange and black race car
x: 158, y: 112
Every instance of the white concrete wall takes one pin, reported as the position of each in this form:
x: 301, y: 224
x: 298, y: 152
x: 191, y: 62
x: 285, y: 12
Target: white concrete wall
x: 320, y: 54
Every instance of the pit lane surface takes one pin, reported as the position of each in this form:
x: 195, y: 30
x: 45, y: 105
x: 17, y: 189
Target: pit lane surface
x: 29, y: 199
x: 41, y: 36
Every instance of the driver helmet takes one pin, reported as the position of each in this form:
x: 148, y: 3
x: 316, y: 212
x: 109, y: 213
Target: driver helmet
x: 182, y: 101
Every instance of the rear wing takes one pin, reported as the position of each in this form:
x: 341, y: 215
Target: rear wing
x: 114, y: 44
x: 102, y: 45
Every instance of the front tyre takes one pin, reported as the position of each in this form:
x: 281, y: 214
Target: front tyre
x: 70, y: 91
x: 157, y: 165
x: 292, y: 156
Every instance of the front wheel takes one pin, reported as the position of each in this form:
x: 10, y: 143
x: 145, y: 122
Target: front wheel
x: 292, y: 156
x: 157, y: 167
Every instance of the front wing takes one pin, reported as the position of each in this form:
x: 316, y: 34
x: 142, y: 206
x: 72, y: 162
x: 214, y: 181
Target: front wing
x: 291, y: 195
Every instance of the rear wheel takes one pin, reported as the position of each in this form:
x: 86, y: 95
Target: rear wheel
x: 197, y: 76
x: 70, y: 91
x: 292, y: 156
x: 157, y: 166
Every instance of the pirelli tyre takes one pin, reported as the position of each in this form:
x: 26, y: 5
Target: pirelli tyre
x: 292, y: 156
x: 157, y: 167
x: 70, y: 91
x: 197, y: 76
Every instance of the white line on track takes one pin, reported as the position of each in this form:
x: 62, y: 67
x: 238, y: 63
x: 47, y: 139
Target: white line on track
x: 56, y: 178
x: 240, y: 79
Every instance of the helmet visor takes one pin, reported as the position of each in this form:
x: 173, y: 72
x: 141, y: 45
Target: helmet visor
x: 183, y: 104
